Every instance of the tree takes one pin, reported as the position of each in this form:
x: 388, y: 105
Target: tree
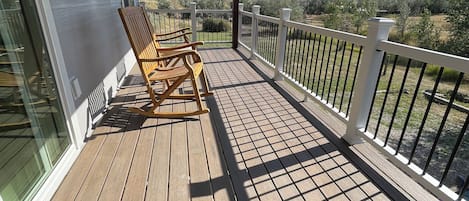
x: 438, y: 6
x: 339, y: 14
x: 164, y: 4
x: 458, y: 42
x: 427, y: 35
x: 404, y: 13
x: 273, y: 9
x: 362, y: 12
x: 315, y: 7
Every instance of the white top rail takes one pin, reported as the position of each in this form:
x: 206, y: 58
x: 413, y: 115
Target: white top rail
x: 245, y: 13
x: 214, y: 11
x: 169, y: 10
x: 269, y: 19
x: 428, y: 56
x: 357, y: 39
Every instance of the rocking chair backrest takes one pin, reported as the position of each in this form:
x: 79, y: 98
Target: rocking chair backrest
x: 141, y: 37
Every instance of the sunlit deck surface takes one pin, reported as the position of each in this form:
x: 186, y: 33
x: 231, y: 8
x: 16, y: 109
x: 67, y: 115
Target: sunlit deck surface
x: 255, y: 144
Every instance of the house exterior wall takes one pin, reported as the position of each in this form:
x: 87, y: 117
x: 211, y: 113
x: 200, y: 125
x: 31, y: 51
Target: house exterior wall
x: 94, y: 48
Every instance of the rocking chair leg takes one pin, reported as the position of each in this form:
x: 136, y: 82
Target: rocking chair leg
x: 196, y: 92
x: 203, y: 79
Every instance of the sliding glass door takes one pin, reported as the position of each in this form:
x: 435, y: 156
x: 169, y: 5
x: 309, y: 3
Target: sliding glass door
x: 33, y: 135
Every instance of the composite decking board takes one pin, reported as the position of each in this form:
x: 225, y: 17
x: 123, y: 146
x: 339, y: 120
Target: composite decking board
x: 99, y: 171
x: 200, y: 188
x: 135, y: 188
x: 179, y: 188
x: 158, y: 178
x: 253, y: 145
x: 73, y: 182
x: 219, y: 180
x: 114, y: 185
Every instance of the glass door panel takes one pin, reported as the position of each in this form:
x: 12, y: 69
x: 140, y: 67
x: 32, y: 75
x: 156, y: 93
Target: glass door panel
x: 33, y: 134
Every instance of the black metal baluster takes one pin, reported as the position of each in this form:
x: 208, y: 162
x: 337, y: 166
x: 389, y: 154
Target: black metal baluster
x: 310, y: 68
x: 354, y: 80
x: 346, y: 76
x: 302, y: 53
x: 260, y: 40
x: 397, y: 102
x: 463, y: 189
x: 307, y: 61
x: 374, y: 94
x: 419, y: 81
x: 272, y: 43
x: 269, y: 42
x: 275, y: 44
x: 322, y: 63
x: 443, y: 122
x: 292, y: 55
x: 340, y: 73
x: 383, y: 105
x: 422, y: 124
x: 316, y: 64
x: 287, y: 53
x: 266, y: 42
x: 327, y: 70
x: 333, y: 70
x: 454, y: 151
x: 296, y: 57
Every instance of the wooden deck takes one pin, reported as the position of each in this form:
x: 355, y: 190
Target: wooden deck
x: 253, y: 145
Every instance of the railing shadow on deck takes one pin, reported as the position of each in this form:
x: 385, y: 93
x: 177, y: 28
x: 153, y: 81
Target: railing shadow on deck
x: 230, y: 161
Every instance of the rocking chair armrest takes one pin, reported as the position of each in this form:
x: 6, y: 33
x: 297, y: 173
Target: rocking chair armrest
x: 180, y: 54
x: 191, y: 44
x: 173, y: 37
x: 173, y: 32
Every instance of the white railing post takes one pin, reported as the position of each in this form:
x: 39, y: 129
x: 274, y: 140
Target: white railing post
x: 240, y: 20
x: 281, y: 42
x: 378, y: 30
x: 255, y: 11
x: 194, y: 21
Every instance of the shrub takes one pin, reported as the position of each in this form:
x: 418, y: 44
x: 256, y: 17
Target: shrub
x: 215, y: 25
x: 448, y: 74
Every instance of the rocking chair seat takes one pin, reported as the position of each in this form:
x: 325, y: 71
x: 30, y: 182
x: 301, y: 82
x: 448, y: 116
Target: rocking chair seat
x: 175, y: 72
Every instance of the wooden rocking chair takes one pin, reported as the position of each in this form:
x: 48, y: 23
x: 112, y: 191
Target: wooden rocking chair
x: 161, y: 37
x: 151, y: 62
